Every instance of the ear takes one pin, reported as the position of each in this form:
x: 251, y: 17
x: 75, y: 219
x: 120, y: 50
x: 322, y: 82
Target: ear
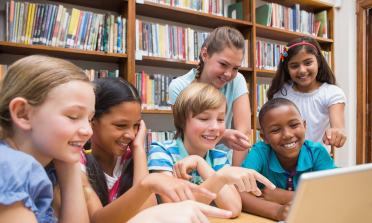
x: 304, y: 122
x: 204, y: 54
x: 20, y: 110
x: 93, y: 123
x: 262, y: 134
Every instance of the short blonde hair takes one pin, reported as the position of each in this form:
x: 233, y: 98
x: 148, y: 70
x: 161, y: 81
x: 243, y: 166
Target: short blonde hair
x: 32, y: 78
x: 194, y: 99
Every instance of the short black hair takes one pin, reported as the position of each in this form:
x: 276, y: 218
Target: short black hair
x: 274, y: 103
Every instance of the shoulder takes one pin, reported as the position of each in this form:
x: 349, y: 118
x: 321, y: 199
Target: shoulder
x: 258, y: 153
x: 284, y: 92
x: 161, y: 155
x: 178, y: 84
x: 169, y: 146
x: 23, y: 178
x: 333, y: 94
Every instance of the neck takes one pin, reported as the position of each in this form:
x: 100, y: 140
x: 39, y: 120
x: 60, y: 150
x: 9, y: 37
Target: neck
x: 288, y: 164
x: 24, y: 144
x: 192, y: 150
x: 203, y: 78
x: 106, y: 161
x: 315, y: 85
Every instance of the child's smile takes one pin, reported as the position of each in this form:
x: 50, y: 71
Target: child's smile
x: 285, y: 131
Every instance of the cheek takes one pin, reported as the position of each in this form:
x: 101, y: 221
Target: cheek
x: 222, y: 128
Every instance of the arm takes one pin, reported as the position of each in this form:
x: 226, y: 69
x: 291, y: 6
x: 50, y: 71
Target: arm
x: 16, y: 212
x: 278, y: 195
x: 261, y: 207
x: 238, y: 139
x: 73, y: 205
x: 140, y: 163
x: 336, y: 134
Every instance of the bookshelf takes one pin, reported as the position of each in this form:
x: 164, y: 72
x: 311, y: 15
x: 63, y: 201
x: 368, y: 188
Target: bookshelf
x: 129, y: 9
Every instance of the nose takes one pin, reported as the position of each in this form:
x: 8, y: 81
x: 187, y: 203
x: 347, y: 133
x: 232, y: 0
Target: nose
x: 213, y: 125
x: 227, y: 73
x: 86, y: 129
x: 302, y: 69
x: 130, y: 134
x: 287, y: 133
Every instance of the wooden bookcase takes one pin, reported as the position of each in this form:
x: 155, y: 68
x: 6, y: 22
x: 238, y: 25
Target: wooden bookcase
x: 127, y: 62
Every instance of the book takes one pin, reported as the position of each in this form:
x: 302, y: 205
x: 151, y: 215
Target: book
x: 71, y: 34
x: 322, y: 18
x: 57, y: 25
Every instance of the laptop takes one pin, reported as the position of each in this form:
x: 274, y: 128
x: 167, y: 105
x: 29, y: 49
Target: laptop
x: 338, y: 195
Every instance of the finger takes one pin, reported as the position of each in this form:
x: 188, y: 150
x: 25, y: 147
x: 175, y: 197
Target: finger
x: 181, y: 194
x: 176, y: 171
x: 173, y: 196
x: 241, y: 186
x: 252, y: 191
x: 325, y: 140
x: 241, y: 135
x: 183, y: 171
x: 237, y: 147
x: 202, y: 191
x: 213, y: 211
x: 342, y: 142
x: 333, y: 138
x: 254, y: 187
x: 201, y: 217
x: 189, y: 194
x: 338, y: 140
x: 245, y: 143
x: 264, y: 180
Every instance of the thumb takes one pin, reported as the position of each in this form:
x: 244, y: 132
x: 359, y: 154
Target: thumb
x: 213, y: 211
x: 241, y: 136
x: 328, y: 133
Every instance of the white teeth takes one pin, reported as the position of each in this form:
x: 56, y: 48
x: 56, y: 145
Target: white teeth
x: 290, y: 145
x: 209, y: 137
x: 123, y: 144
x: 223, y: 79
x: 304, y: 77
x: 79, y: 144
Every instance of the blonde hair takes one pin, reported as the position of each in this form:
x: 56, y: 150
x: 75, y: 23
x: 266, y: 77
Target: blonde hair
x: 32, y: 78
x: 218, y: 40
x: 194, y: 99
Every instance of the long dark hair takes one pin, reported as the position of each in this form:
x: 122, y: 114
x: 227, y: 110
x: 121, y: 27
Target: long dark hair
x: 110, y: 92
x: 282, y: 76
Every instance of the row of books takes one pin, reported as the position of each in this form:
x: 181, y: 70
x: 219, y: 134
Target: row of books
x: 171, y: 42
x: 214, y: 7
x: 261, y: 96
x: 95, y: 74
x: 267, y: 55
x: 157, y: 137
x: 51, y: 25
x: 3, y: 70
x: 258, y: 137
x: 292, y: 19
x: 153, y: 90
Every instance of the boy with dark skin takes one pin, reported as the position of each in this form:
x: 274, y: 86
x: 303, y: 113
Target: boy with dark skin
x: 282, y: 158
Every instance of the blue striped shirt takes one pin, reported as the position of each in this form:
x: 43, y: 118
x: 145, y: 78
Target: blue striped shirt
x: 164, y: 155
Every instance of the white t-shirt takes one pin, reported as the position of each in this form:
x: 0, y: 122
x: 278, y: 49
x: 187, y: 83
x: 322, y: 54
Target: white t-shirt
x: 314, y: 108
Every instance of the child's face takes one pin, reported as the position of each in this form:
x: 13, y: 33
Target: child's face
x: 285, y: 131
x: 303, y: 68
x: 222, y: 67
x: 205, y: 130
x: 113, y: 131
x: 61, y: 125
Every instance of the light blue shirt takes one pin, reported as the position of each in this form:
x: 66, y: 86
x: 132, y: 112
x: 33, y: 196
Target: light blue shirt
x: 262, y: 158
x: 232, y: 90
x: 164, y: 155
x: 23, y: 178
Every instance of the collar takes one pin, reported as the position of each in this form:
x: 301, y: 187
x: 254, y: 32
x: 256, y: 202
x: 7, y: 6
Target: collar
x: 304, y: 161
x: 183, y: 152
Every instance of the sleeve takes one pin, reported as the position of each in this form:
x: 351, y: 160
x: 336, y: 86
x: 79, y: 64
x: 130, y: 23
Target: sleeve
x: 26, y: 180
x: 175, y: 89
x: 323, y: 161
x: 159, y: 158
x: 253, y: 160
x: 240, y: 86
x: 334, y: 95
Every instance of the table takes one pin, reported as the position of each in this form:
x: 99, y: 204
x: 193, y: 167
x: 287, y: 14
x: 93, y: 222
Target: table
x: 242, y: 218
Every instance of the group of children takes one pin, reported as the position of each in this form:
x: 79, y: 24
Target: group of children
x: 73, y: 151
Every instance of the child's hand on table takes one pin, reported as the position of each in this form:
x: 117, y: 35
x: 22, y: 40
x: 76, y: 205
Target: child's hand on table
x: 283, y: 211
x: 185, y: 166
x: 276, y: 195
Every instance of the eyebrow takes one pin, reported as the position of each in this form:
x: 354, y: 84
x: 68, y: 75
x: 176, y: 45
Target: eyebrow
x: 303, y: 60
x: 78, y: 106
x: 295, y: 119
x: 126, y: 120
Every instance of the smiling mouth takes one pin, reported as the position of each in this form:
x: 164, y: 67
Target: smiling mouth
x: 222, y: 79
x: 122, y: 144
x: 290, y: 145
x: 304, y: 77
x: 210, y: 137
x: 78, y: 144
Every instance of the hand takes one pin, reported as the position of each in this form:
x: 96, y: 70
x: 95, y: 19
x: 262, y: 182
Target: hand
x: 244, y: 179
x: 273, y: 195
x: 140, y: 138
x: 335, y: 137
x: 235, y: 140
x: 182, y: 212
x: 64, y: 169
x: 283, y: 211
x: 175, y: 189
x: 185, y: 166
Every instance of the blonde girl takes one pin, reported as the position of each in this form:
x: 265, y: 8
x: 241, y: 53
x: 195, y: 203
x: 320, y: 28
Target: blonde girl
x: 45, y: 108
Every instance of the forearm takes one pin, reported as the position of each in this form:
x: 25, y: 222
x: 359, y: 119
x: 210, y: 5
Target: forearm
x: 287, y: 196
x: 140, y: 171
x: 73, y: 205
x: 126, y: 206
x: 239, y: 157
x: 254, y: 205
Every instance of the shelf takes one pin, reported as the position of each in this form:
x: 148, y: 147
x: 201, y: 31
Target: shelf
x: 167, y: 63
x: 265, y: 73
x: 187, y: 16
x: 65, y: 53
x: 307, y: 5
x: 284, y: 35
x: 156, y: 112
x: 245, y: 69
x: 110, y: 5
